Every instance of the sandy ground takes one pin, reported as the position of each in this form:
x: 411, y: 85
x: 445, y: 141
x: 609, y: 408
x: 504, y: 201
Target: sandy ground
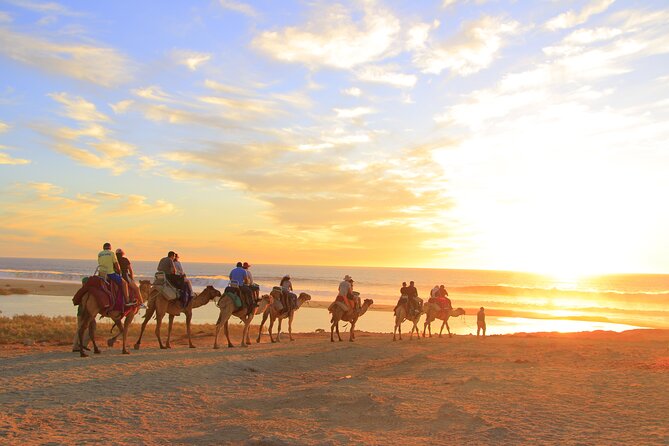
x: 590, y: 388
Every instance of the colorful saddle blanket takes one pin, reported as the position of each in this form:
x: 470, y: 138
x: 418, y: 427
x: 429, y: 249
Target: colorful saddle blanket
x: 108, y: 295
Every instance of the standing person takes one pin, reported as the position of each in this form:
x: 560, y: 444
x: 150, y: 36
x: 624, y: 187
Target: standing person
x: 286, y: 288
x: 480, y: 321
x: 128, y: 274
x: 180, y: 272
x: 109, y: 268
x: 241, y: 277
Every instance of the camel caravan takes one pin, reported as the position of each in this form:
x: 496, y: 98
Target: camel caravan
x: 112, y: 292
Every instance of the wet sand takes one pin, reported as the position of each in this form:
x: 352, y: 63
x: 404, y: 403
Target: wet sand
x: 587, y: 388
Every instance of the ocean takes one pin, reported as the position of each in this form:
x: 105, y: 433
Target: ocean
x: 514, y: 301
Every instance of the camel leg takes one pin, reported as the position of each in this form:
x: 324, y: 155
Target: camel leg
x: 246, y: 326
x: 159, y: 321
x: 85, y: 324
x: 290, y: 326
x: 227, y: 334
x: 124, y: 325
x: 168, y: 344
x: 248, y: 332
x: 338, y: 335
x: 442, y: 328
x: 271, y: 325
x: 448, y: 328
x: 147, y: 318
x: 262, y: 323
x: 351, y: 336
x: 399, y: 328
x: 424, y: 328
x: 91, y: 332
x: 332, y: 327
x: 278, y: 330
x: 189, y: 316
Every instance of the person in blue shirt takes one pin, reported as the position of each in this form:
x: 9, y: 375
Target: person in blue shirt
x: 239, y: 275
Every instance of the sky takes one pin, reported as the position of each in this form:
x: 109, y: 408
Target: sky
x: 511, y: 135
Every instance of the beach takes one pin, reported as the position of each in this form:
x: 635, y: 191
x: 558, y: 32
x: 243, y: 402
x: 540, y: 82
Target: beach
x: 588, y: 388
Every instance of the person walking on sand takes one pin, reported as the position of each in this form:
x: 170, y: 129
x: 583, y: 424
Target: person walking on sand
x: 480, y: 321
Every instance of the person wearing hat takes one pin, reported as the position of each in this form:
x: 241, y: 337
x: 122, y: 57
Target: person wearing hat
x: 254, y: 288
x: 127, y: 274
x: 286, y: 288
x: 109, y: 268
x: 241, y: 277
x: 188, y: 286
x: 346, y: 288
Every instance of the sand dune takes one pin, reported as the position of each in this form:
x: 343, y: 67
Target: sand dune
x: 592, y: 388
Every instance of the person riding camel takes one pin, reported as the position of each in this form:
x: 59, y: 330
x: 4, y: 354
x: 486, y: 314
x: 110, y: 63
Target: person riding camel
x: 241, y: 277
x: 255, y: 288
x: 404, y: 296
x: 286, y: 288
x: 442, y: 293
x: 109, y: 268
x: 166, y: 265
x: 413, y: 300
x: 180, y: 271
x: 128, y: 275
x: 346, y: 290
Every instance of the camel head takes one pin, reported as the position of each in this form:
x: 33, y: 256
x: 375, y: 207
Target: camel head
x: 264, y: 301
x: 304, y: 297
x: 457, y: 312
x: 367, y: 302
x: 211, y: 292
x: 145, y: 289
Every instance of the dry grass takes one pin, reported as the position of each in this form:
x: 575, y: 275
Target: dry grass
x: 60, y: 330
x: 8, y: 291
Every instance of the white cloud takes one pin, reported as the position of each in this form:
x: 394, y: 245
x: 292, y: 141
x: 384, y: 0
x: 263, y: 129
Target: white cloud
x: 121, y: 106
x: 353, y: 91
x: 78, y: 108
x: 52, y: 8
x: 472, y: 50
x: 83, y: 61
x: 334, y: 39
x: 8, y: 160
x: 3, y: 127
x: 191, y: 59
x: 348, y: 113
x: 5, y: 17
x: 242, y: 8
x: 572, y: 18
x: 386, y: 75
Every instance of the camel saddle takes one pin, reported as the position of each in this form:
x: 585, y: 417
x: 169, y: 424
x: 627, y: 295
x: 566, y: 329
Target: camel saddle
x: 234, y: 294
x: 164, y: 287
x: 108, y: 295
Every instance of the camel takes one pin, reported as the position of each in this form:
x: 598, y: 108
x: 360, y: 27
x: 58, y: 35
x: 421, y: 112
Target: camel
x: 352, y: 316
x: 432, y: 312
x: 274, y: 314
x: 158, y: 304
x: 400, y: 316
x: 91, y: 308
x: 144, y: 288
x: 227, y: 306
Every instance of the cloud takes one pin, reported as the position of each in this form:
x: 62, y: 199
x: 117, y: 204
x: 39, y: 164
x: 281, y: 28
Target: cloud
x: 51, y: 8
x: 78, y: 108
x: 351, y: 113
x: 83, y: 61
x: 3, y: 127
x: 191, y: 59
x: 353, y: 91
x: 474, y: 48
x: 242, y: 8
x: 332, y: 38
x: 386, y: 75
x: 121, y: 106
x: 571, y: 18
x: 6, y: 159
x: 5, y: 17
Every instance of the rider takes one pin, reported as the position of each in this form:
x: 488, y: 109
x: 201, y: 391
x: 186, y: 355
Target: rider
x: 180, y: 272
x: 109, y: 268
x: 286, y: 288
x: 240, y: 275
x: 412, y: 294
x: 444, y: 295
x: 166, y: 265
x: 404, y: 295
x: 254, y: 288
x: 127, y: 273
x: 346, y: 288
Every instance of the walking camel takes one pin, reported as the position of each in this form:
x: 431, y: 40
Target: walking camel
x: 227, y: 306
x: 433, y: 311
x: 273, y: 313
x: 401, y: 315
x: 159, y: 305
x: 352, y: 316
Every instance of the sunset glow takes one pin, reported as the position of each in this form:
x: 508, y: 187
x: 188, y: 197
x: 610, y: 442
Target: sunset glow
x: 446, y: 134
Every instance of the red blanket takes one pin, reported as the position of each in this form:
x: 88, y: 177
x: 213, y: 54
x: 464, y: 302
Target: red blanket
x: 100, y: 290
x: 349, y: 302
x: 443, y: 302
